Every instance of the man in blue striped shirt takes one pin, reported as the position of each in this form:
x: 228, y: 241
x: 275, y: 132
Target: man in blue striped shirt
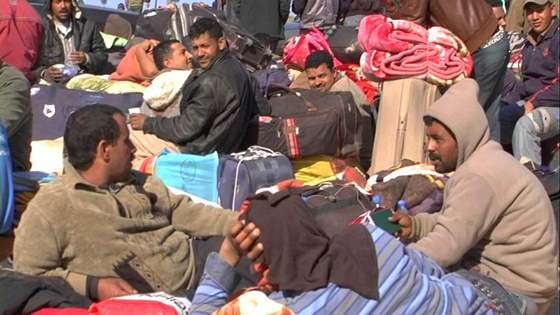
x: 408, y: 282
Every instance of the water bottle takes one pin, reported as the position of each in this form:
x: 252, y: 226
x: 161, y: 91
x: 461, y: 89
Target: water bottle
x: 70, y: 69
x: 376, y: 201
x: 401, y: 207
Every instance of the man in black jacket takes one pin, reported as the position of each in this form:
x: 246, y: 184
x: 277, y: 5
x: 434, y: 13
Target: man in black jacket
x: 218, y: 100
x: 68, y: 37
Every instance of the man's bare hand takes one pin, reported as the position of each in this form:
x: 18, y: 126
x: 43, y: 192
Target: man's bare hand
x: 242, y: 240
x: 529, y: 107
x: 137, y: 121
x: 113, y: 287
x: 77, y: 57
x: 148, y: 45
x: 404, y: 221
x: 53, y: 73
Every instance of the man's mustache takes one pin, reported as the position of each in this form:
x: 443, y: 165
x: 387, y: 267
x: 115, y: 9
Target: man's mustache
x: 434, y: 156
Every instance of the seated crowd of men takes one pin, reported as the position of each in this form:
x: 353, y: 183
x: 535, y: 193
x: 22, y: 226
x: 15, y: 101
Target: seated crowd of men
x: 110, y: 231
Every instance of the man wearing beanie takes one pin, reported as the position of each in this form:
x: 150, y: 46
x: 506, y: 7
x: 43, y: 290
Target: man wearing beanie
x: 496, y: 216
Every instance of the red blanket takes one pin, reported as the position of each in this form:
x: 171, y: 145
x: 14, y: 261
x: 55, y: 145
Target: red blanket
x: 398, y: 49
x: 298, y: 48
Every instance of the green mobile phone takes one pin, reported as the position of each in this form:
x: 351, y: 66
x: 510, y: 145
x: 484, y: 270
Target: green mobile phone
x: 381, y: 219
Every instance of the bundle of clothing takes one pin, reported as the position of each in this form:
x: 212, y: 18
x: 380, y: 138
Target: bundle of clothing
x: 398, y: 49
x: 299, y: 47
x: 417, y: 184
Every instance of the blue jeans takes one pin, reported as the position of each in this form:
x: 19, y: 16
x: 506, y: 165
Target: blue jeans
x: 489, y: 71
x: 540, y: 124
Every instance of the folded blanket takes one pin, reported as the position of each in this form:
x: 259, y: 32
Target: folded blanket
x: 398, y: 49
x: 91, y: 82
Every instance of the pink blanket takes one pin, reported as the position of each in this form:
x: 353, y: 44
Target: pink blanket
x: 398, y: 49
x: 298, y: 48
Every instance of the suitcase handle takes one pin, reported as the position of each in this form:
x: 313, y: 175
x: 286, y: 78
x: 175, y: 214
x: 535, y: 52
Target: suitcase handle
x: 276, y: 87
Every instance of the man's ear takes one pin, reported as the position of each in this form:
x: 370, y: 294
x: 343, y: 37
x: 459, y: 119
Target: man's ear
x: 103, y: 150
x: 554, y: 9
x: 222, y: 43
x: 167, y: 63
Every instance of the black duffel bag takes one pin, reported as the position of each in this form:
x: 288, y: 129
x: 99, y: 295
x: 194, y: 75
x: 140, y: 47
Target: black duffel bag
x: 305, y: 123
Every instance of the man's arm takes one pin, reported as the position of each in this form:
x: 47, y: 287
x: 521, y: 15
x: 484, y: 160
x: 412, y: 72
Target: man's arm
x: 37, y: 250
x: 199, y: 113
x: 460, y: 226
x: 411, y: 10
x: 196, y: 219
x: 39, y: 67
x: 97, y: 55
x: 263, y: 108
x: 547, y: 95
x: 15, y: 106
x: 298, y: 6
x: 220, y: 278
x: 147, y: 64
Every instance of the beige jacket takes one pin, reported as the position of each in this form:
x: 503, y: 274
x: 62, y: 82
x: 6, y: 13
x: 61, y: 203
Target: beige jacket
x: 73, y: 229
x: 496, y: 214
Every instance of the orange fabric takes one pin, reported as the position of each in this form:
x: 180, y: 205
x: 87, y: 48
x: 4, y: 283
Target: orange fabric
x: 129, y: 68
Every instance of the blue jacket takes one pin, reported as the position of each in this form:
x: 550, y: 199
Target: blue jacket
x: 541, y: 70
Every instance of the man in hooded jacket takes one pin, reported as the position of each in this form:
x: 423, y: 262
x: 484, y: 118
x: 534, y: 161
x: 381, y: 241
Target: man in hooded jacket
x: 68, y: 37
x: 496, y: 217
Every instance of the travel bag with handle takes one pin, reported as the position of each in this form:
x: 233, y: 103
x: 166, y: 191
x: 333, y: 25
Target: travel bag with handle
x: 305, y: 123
x: 242, y: 174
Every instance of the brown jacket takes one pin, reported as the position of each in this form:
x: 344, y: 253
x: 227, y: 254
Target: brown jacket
x: 73, y: 230
x: 471, y: 20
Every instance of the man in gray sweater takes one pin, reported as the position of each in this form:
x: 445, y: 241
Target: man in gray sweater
x: 107, y: 230
x: 496, y: 216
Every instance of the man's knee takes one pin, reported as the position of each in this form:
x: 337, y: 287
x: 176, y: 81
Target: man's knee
x: 525, y: 125
x: 537, y: 121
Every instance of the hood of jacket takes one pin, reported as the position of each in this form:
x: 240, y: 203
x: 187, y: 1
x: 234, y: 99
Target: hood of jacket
x: 459, y: 110
x: 77, y: 14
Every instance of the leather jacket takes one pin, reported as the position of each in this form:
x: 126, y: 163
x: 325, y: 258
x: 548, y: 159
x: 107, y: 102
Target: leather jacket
x: 87, y: 39
x: 471, y: 20
x: 217, y: 105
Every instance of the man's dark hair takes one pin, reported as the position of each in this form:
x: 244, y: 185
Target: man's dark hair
x: 495, y: 3
x: 163, y: 50
x: 85, y: 128
x: 204, y: 25
x: 429, y: 120
x: 264, y: 38
x: 317, y: 58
